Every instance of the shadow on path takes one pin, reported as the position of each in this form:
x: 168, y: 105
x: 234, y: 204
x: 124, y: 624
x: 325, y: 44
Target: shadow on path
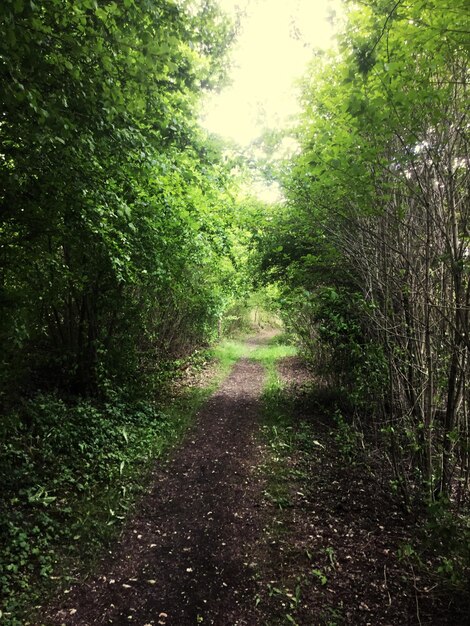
x: 185, y: 558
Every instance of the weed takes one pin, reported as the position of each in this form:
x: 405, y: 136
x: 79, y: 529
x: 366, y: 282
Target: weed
x: 331, y: 555
x: 270, y: 354
x: 320, y: 576
x: 333, y: 616
x: 228, y: 352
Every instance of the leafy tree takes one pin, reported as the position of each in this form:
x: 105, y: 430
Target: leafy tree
x: 108, y: 201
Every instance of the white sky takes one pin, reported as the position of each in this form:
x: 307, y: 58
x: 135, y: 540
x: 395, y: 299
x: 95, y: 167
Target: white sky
x: 274, y: 45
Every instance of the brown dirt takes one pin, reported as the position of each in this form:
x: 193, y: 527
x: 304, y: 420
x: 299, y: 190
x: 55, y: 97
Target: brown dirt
x: 293, y: 372
x: 185, y: 558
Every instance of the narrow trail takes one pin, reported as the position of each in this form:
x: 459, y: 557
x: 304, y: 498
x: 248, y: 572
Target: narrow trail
x: 212, y: 543
x: 185, y: 558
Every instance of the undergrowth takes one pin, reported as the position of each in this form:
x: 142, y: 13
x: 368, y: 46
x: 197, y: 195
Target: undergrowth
x: 276, y: 349
x: 280, y: 598
x: 437, y: 552
x: 71, y: 472
x: 291, y: 446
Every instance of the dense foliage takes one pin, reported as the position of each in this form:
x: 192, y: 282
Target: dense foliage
x: 372, y: 246
x: 113, y: 205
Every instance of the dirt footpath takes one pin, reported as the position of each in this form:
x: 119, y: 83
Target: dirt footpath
x: 185, y: 558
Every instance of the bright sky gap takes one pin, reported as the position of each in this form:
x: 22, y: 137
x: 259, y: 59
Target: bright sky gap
x: 275, y: 43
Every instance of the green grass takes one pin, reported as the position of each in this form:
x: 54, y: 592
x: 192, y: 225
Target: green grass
x: 276, y: 428
x: 269, y: 355
x: 284, y: 438
x: 228, y: 352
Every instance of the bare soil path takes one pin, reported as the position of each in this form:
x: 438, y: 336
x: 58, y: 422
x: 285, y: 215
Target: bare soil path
x: 185, y: 558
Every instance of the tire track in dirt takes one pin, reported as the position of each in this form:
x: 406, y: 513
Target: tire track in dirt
x: 185, y: 558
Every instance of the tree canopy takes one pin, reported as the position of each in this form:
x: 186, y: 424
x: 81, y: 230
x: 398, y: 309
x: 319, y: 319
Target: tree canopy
x: 114, y: 204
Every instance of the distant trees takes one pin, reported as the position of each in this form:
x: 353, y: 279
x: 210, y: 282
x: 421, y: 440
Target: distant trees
x: 113, y: 205
x: 374, y: 241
